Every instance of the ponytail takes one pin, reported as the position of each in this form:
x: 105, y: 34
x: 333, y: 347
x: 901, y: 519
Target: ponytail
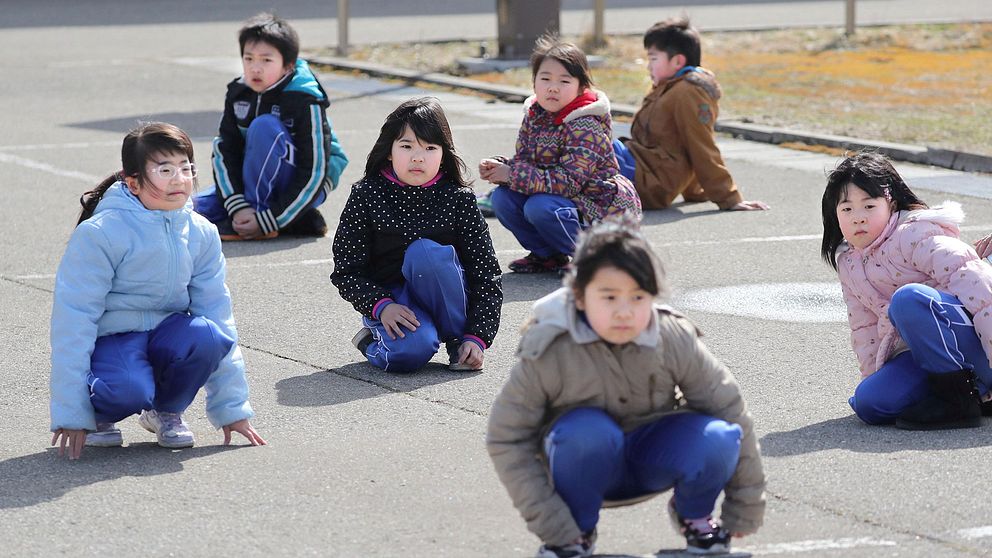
x: 90, y: 199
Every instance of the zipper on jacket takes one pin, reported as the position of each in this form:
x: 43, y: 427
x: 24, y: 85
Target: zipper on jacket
x: 258, y: 103
x: 173, y: 260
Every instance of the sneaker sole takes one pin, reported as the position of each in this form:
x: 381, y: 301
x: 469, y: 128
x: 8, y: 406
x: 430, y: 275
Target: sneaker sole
x: 711, y: 551
x: 236, y: 237
x: 178, y: 445
x: 104, y: 443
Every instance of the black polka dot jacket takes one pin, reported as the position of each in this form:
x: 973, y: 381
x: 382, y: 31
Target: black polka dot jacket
x: 381, y: 219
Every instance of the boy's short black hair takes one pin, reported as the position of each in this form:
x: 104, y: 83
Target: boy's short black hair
x: 675, y: 36
x: 268, y: 28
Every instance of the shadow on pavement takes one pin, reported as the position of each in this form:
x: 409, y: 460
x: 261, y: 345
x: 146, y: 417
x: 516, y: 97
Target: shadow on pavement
x: 331, y: 387
x: 44, y: 476
x: 197, y: 124
x: 674, y: 213
x: 528, y: 287
x: 851, y: 434
x: 246, y: 248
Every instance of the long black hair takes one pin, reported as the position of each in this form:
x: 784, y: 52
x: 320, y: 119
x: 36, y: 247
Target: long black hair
x: 616, y: 242
x: 425, y: 118
x: 140, y: 144
x: 873, y: 173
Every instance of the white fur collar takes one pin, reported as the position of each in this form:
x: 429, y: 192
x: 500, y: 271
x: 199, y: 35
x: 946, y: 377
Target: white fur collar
x: 948, y: 214
x: 598, y: 108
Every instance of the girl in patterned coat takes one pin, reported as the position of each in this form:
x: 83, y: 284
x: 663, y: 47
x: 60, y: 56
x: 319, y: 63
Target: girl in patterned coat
x: 564, y: 174
x: 412, y: 252
x: 919, y: 299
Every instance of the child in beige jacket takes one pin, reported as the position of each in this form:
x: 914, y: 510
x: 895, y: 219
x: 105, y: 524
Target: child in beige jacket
x: 614, y: 399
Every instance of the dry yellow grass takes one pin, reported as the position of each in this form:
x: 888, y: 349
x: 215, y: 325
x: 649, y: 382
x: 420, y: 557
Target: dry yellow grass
x: 922, y: 84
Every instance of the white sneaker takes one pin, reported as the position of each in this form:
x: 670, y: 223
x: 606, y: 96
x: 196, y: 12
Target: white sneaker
x: 107, y: 435
x: 170, y: 428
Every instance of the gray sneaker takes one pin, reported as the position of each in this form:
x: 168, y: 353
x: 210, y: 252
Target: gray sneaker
x: 170, y: 428
x: 107, y: 435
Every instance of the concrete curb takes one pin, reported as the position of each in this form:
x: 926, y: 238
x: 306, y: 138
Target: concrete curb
x: 946, y: 158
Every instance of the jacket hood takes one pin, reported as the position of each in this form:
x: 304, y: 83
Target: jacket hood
x: 555, y: 314
x: 304, y: 81
x: 600, y: 107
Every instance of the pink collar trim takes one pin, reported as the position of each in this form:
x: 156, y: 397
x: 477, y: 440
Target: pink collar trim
x: 391, y: 176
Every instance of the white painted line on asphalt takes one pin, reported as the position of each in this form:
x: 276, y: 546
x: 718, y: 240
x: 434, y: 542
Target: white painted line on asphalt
x: 514, y: 252
x: 783, y: 302
x: 814, y: 545
x: 45, y: 167
x: 976, y: 532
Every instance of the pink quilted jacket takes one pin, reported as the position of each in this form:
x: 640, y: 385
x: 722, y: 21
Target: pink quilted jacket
x: 919, y: 246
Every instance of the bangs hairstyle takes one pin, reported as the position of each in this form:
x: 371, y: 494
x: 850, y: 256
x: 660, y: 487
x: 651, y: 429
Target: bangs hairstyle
x: 616, y: 242
x: 567, y: 54
x: 268, y: 28
x: 675, y: 36
x: 873, y: 173
x: 139, y: 146
x: 425, y: 117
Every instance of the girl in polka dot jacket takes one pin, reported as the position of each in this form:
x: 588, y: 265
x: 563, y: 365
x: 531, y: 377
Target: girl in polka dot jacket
x: 919, y: 299
x: 412, y: 252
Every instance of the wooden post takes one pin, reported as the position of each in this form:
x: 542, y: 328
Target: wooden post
x: 849, y: 25
x: 342, y: 27
x: 598, y: 38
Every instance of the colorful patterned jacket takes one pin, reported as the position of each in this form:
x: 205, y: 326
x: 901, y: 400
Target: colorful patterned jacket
x: 573, y: 159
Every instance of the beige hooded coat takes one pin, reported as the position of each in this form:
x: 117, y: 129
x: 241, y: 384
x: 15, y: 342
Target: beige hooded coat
x: 563, y: 364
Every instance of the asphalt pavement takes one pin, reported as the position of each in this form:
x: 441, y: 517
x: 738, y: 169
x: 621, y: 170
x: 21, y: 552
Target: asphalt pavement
x: 363, y: 463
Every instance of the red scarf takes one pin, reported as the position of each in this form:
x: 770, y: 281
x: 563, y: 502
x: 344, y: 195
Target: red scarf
x: 587, y: 98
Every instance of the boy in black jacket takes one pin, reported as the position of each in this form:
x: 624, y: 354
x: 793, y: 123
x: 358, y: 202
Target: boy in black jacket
x: 276, y: 157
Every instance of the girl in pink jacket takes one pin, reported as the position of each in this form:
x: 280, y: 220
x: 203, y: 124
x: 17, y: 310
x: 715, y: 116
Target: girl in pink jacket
x: 919, y: 299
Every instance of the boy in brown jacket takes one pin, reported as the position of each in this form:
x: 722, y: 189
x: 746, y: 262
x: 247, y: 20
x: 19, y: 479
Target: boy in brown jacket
x: 672, y: 149
x: 613, y: 400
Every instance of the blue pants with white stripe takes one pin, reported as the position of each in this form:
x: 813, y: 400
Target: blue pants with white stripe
x: 592, y: 459
x: 941, y: 338
x: 545, y: 224
x: 269, y: 167
x: 435, y: 291
x: 161, y: 369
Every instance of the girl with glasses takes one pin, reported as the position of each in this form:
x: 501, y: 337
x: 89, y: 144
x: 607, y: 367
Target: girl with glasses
x: 141, y: 318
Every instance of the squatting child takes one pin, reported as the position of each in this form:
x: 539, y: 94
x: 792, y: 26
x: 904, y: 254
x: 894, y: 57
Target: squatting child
x: 141, y: 318
x: 564, y: 174
x: 276, y: 158
x: 672, y: 150
x: 919, y: 300
x: 613, y: 400
x: 412, y: 252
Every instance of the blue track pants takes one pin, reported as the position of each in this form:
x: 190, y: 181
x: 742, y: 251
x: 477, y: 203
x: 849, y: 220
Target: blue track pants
x: 592, y: 459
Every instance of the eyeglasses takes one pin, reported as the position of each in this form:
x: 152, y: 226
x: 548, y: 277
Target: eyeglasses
x: 169, y: 171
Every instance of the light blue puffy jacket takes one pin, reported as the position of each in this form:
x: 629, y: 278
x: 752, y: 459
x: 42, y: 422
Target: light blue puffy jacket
x: 125, y: 269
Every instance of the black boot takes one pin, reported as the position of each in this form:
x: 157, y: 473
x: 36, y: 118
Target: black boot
x: 953, y: 402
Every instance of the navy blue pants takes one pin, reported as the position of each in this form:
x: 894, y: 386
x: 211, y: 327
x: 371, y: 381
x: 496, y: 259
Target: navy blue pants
x: 625, y: 159
x: 269, y: 166
x: 544, y: 224
x: 161, y: 369
x: 592, y: 459
x: 435, y: 291
x: 941, y: 338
